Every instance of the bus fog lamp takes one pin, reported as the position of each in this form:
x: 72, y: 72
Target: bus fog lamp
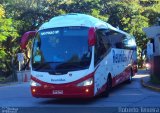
x: 87, y: 90
x: 34, y: 90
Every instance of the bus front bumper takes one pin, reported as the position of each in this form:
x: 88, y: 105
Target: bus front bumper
x: 82, y: 88
x: 64, y: 91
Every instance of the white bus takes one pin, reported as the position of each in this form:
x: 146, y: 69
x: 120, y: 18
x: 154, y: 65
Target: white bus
x: 77, y: 55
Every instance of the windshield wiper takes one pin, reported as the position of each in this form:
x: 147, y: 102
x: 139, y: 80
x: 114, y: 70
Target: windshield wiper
x: 70, y: 66
x: 45, y: 65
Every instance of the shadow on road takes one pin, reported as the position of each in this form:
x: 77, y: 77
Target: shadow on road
x: 70, y: 101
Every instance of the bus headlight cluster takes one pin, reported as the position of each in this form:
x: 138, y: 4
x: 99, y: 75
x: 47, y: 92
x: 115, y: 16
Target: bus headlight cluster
x: 87, y: 82
x: 148, y: 66
x: 33, y: 83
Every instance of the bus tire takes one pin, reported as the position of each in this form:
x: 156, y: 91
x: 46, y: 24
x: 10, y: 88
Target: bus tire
x: 130, y: 77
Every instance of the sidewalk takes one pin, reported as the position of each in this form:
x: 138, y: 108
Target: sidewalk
x: 8, y: 83
x: 148, y: 84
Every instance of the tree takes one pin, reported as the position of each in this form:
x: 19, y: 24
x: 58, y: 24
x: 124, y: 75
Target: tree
x: 127, y: 15
x: 8, y: 34
x: 19, y: 16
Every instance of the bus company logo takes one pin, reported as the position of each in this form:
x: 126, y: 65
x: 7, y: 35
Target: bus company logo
x: 130, y: 54
x: 58, y: 80
x: 119, y: 57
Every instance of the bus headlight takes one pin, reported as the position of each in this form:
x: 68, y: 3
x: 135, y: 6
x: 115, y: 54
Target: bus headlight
x: 87, y: 82
x: 33, y: 83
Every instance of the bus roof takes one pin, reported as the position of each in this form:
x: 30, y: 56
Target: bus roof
x: 77, y: 19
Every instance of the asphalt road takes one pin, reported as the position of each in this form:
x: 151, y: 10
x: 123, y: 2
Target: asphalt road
x: 17, y: 98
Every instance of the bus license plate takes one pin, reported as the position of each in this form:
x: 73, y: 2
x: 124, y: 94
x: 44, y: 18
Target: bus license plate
x: 57, y: 91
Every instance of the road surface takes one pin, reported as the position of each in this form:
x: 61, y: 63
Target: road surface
x: 17, y: 98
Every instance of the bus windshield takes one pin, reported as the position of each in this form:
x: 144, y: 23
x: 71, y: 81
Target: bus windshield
x: 59, y: 50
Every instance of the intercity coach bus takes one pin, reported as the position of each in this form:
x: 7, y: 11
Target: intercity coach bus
x: 77, y: 55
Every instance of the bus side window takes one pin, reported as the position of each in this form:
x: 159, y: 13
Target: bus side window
x: 129, y: 43
x: 114, y: 39
x: 119, y: 45
x: 120, y: 41
x: 100, y: 48
x: 107, y: 39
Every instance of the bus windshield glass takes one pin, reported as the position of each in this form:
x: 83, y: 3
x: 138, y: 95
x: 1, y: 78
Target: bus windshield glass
x: 61, y: 50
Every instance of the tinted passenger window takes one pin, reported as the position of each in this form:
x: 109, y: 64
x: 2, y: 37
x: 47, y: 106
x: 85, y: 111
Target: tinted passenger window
x: 102, y: 45
x: 120, y: 41
x: 130, y: 43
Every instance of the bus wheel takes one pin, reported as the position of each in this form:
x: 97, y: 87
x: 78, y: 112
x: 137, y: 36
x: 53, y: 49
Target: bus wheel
x: 108, y: 88
x: 130, y: 77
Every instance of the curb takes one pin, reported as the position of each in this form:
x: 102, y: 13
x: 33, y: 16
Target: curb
x: 149, y: 86
x: 9, y: 84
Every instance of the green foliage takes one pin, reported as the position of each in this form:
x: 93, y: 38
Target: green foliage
x: 2, y: 78
x: 19, y: 16
x: 96, y: 13
x: 8, y: 34
x: 1, y: 11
